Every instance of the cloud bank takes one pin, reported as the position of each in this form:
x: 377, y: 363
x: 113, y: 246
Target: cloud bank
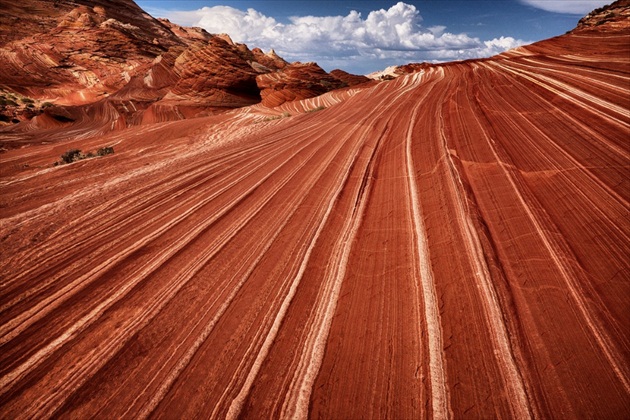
x: 354, y: 43
x: 574, y: 7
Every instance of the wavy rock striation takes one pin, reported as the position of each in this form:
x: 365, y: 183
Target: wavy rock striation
x: 452, y: 243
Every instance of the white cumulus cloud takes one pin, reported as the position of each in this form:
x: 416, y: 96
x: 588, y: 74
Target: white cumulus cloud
x: 574, y: 7
x: 352, y: 42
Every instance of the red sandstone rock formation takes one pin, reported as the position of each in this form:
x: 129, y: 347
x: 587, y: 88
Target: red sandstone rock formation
x: 451, y: 244
x: 186, y: 34
x: 270, y: 60
x: 349, y: 79
x: 396, y: 71
x: 215, y: 70
x: 295, y: 81
x: 81, y: 52
x: 613, y: 17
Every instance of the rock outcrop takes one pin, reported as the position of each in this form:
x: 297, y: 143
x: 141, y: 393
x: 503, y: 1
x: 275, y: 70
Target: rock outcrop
x: 393, y: 72
x: 215, y: 72
x: 187, y: 34
x: 614, y: 16
x: 80, y: 52
x: 270, y: 60
x: 76, y: 52
x: 295, y: 81
x: 349, y: 79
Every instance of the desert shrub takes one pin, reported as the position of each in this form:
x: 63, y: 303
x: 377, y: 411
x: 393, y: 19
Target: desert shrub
x: 108, y: 150
x: 46, y: 105
x: 277, y: 117
x: 27, y: 101
x: 7, y: 102
x: 71, y: 155
x: 74, y: 155
x: 319, y: 108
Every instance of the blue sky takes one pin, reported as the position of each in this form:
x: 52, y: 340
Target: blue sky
x: 366, y: 36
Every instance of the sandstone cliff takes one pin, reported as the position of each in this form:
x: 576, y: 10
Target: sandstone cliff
x: 74, y: 53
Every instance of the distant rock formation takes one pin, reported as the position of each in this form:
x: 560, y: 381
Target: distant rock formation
x: 80, y: 52
x: 349, y: 79
x: 614, y: 16
x: 295, y: 81
x: 270, y: 60
x: 394, y: 71
x: 186, y: 34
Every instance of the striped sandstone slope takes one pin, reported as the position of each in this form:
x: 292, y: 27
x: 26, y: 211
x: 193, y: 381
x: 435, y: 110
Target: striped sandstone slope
x: 452, y: 243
